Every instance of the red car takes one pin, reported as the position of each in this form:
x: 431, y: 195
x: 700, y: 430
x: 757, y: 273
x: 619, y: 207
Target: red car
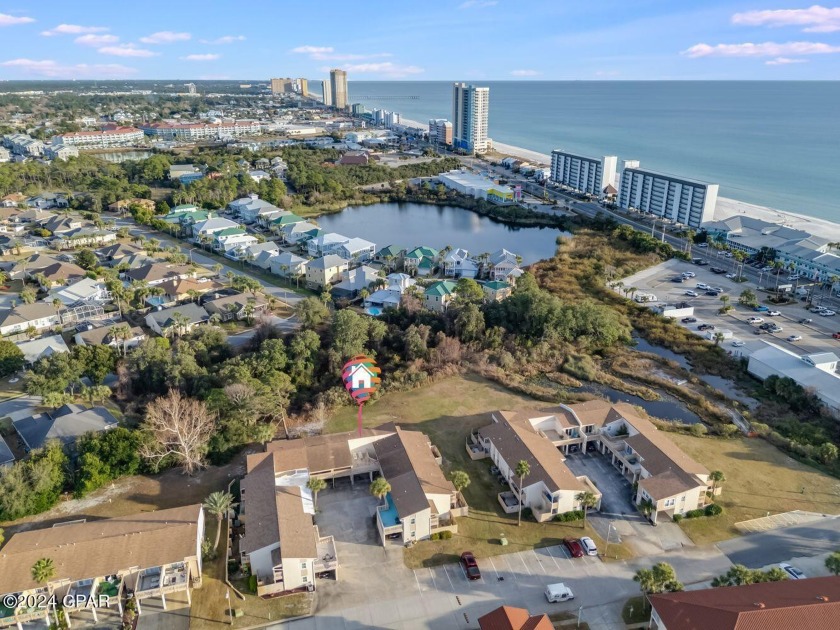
x: 836, y: 335
x: 470, y: 566
x: 574, y: 547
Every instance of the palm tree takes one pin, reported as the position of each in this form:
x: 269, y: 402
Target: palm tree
x: 364, y: 294
x: 43, y: 570
x: 4, y: 277
x: 716, y: 477
x: 316, y: 484
x: 778, y: 265
x: 586, y: 499
x: 326, y: 296
x: 248, y: 311
x: 718, y: 338
x: 57, y: 304
x: 380, y: 487
x: 220, y: 505
x: 181, y: 323
x: 522, y: 470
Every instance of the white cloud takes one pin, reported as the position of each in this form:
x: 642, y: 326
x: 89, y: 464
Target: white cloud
x: 126, y: 50
x: 347, y: 57
x: 524, y: 73
x: 54, y: 70
x: 765, y: 49
x: 313, y: 50
x: 225, y: 39
x: 477, y: 4
x: 73, y: 29
x: 783, y: 61
x: 96, y: 40
x: 386, y: 68
x: 165, y: 37
x: 815, y: 19
x: 12, y: 20
x: 201, y: 57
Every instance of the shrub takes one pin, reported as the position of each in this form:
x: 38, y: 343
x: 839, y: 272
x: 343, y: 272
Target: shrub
x: 252, y: 584
x: 435, y: 536
x: 233, y: 566
x: 527, y: 513
x: 677, y: 518
x: 713, y: 509
x: 698, y: 430
x: 446, y: 535
x: 567, y: 517
x: 694, y: 513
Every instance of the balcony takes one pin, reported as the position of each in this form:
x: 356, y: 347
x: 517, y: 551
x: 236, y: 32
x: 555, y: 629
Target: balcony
x: 175, y: 577
x: 148, y: 580
x: 475, y: 447
x: 327, y: 559
x: 509, y: 502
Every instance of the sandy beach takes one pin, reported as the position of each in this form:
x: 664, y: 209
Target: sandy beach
x: 725, y: 207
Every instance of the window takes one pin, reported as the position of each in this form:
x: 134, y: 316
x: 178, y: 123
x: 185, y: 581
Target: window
x: 669, y: 502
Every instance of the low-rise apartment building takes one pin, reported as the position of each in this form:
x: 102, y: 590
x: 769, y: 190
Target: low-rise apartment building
x: 98, y: 563
x: 200, y: 131
x: 116, y: 137
x: 666, y: 479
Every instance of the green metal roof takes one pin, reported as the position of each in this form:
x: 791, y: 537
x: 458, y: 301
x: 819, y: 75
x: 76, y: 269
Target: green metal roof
x: 426, y: 263
x: 420, y: 252
x: 230, y: 232
x: 391, y: 250
x: 286, y: 219
x: 441, y: 288
x: 495, y: 285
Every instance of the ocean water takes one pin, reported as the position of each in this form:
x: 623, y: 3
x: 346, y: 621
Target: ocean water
x: 774, y: 144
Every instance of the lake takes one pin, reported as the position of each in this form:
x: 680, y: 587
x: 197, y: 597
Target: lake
x: 411, y: 224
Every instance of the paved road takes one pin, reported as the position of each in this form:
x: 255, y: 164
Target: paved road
x: 780, y: 545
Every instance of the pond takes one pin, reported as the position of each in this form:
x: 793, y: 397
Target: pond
x: 668, y: 408
x: 411, y: 224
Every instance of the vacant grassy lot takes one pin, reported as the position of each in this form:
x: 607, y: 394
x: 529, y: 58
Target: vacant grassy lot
x: 447, y: 411
x: 759, y: 479
x: 210, y: 607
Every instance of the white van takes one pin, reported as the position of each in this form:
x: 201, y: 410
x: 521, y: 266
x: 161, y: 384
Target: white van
x: 558, y: 593
x: 589, y: 546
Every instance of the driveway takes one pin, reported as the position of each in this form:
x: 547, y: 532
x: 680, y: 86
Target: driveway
x: 19, y: 407
x: 618, y: 519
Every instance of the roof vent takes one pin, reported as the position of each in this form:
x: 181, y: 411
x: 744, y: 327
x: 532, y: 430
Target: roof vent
x: 759, y: 605
x: 822, y: 598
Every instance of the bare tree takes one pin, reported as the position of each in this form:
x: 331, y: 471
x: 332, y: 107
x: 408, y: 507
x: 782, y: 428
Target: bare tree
x: 178, y: 427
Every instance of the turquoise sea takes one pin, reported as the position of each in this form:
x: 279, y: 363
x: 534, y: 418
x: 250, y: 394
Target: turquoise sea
x: 775, y: 144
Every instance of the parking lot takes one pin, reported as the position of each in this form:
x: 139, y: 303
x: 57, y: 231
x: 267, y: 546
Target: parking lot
x: 815, y: 336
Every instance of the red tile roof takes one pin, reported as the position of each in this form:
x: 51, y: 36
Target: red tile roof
x: 811, y: 604
x: 511, y: 618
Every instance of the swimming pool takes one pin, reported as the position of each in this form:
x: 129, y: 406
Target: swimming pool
x: 373, y: 310
x: 389, y: 516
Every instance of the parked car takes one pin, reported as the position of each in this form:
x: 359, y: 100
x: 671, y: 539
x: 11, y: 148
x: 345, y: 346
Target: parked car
x: 775, y: 329
x: 717, y: 270
x: 558, y: 593
x: 470, y: 566
x: 589, y: 546
x: 836, y: 335
x: 702, y: 245
x: 774, y: 313
x: 755, y: 320
x: 702, y: 286
x: 688, y: 320
x: 688, y: 274
x: 817, y: 309
x: 706, y: 327
x: 712, y: 293
x: 794, y: 338
x: 691, y: 293
x: 718, y: 289
x: 760, y: 309
x: 738, y: 343
x: 678, y: 279
x: 827, y: 313
x: 766, y: 326
x: 702, y: 263
x: 795, y: 276
x: 574, y: 547
x: 731, y: 276
x: 806, y: 320
x: 792, y: 571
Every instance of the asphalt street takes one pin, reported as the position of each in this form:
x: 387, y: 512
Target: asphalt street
x: 780, y: 545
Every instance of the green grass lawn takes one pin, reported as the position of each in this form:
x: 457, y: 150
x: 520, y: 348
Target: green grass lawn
x: 759, y: 479
x: 210, y: 607
x: 635, y: 610
x: 447, y: 411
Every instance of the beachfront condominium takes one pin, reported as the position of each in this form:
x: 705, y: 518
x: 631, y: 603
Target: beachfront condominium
x: 303, y: 87
x: 592, y: 176
x: 470, y: 108
x: 338, y: 87
x: 327, y: 93
x: 440, y: 132
x: 282, y: 86
x: 678, y: 199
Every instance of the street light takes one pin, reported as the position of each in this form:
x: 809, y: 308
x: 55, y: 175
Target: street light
x: 607, y: 549
x: 190, y: 253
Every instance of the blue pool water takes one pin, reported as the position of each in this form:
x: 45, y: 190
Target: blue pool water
x: 373, y: 310
x: 389, y: 517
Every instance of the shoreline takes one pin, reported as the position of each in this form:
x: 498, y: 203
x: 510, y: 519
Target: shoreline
x: 725, y: 208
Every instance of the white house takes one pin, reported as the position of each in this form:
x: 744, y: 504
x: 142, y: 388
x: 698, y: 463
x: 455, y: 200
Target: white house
x: 503, y: 265
x: 84, y: 291
x: 295, y: 232
x: 288, y: 265
x: 252, y: 208
x: 356, y: 249
x: 38, y: 315
x: 326, y: 243
x: 206, y: 229
x: 259, y: 176
x: 43, y: 347
x: 458, y: 264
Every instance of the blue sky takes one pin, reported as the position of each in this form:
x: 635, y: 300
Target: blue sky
x: 432, y: 40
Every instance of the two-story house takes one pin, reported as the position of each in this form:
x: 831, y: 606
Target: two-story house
x: 458, y: 264
x: 439, y: 295
x: 325, y: 271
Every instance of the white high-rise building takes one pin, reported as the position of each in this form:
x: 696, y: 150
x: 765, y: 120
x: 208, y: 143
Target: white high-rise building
x: 678, y: 199
x: 392, y: 119
x: 583, y: 174
x: 470, y: 110
x: 327, y: 90
x: 338, y: 85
